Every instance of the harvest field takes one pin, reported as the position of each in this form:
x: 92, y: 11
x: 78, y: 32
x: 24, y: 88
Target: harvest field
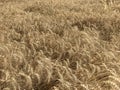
x: 59, y: 45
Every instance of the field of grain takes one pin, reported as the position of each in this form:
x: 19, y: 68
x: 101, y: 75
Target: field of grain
x: 59, y: 45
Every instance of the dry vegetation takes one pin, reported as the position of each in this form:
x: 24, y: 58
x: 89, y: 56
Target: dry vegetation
x: 59, y: 45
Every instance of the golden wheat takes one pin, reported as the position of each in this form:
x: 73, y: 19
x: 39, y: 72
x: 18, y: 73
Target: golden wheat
x: 59, y: 45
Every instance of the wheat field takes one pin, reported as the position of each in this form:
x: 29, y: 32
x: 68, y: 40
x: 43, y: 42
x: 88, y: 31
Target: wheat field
x: 59, y: 45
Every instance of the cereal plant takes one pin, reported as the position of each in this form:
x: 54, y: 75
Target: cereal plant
x: 59, y: 45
